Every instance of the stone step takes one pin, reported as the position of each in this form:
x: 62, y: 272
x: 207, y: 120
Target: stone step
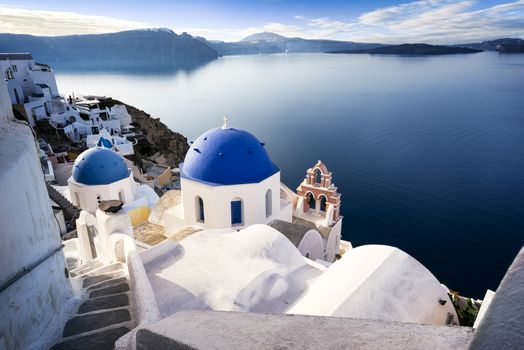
x: 89, y: 322
x: 72, y: 263
x: 107, y: 283
x: 104, y: 340
x: 89, y: 281
x: 119, y: 288
x: 89, y: 266
x: 103, y: 303
x: 103, y: 270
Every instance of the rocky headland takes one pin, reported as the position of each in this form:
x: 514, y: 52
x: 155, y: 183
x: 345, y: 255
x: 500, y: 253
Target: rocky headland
x: 156, y: 142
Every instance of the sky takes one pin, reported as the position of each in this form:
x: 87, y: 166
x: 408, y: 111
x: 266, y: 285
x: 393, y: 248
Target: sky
x: 386, y: 21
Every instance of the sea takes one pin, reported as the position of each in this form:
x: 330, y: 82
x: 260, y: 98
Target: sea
x: 427, y: 151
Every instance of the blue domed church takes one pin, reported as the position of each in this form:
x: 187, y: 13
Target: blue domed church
x: 100, y: 173
x: 229, y: 181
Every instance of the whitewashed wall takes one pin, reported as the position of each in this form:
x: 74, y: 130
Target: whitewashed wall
x: 32, y: 305
x: 217, y: 203
x: 88, y: 194
x: 44, y: 77
x: 312, y: 245
x: 333, y: 241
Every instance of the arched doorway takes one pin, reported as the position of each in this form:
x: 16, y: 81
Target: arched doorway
x: 199, y: 205
x: 269, y: 203
x: 237, y: 212
x: 17, y: 97
x: 121, y: 196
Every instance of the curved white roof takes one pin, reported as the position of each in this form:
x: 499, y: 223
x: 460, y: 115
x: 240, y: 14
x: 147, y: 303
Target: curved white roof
x: 377, y: 282
x: 256, y: 269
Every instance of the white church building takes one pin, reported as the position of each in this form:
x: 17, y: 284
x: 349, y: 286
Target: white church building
x: 99, y: 174
x: 228, y: 181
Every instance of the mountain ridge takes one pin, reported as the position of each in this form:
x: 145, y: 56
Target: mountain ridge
x: 160, y: 48
x: 157, y: 46
x: 268, y: 42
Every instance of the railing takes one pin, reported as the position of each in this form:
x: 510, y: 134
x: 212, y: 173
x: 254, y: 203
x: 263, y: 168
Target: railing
x: 26, y: 269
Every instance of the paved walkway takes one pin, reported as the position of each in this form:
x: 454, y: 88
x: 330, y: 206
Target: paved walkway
x: 107, y: 312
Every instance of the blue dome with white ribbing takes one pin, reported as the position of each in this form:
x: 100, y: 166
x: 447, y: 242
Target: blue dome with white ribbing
x: 99, y: 166
x: 227, y: 156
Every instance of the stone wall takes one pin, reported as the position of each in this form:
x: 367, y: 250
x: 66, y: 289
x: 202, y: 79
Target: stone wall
x: 235, y: 330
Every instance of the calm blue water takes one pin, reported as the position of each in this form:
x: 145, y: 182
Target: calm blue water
x: 428, y: 152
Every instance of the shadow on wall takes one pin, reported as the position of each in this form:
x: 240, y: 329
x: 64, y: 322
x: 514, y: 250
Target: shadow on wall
x: 155, y: 262
x: 274, y: 285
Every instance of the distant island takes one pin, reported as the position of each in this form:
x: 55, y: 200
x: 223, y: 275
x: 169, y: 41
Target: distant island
x: 411, y: 49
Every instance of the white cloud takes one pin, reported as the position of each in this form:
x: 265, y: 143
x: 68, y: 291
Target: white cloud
x: 432, y: 21
x: 41, y: 22
x: 232, y: 34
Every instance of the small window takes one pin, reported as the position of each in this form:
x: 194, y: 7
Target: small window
x: 269, y: 203
x: 199, y: 206
x: 236, y: 212
x: 15, y: 69
x: 98, y: 198
x: 121, y: 196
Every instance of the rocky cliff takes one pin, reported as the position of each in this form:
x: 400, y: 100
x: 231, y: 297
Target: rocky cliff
x: 158, y: 143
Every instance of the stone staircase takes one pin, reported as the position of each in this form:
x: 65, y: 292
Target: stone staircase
x: 105, y: 315
x: 70, y: 211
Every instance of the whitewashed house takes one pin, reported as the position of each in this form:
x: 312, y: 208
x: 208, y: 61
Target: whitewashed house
x: 32, y: 89
x: 34, y: 96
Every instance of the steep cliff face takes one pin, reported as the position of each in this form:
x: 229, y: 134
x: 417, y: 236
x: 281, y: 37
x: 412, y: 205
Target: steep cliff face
x: 134, y: 47
x: 159, y: 143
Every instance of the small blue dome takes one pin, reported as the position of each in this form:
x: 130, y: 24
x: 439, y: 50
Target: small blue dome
x: 99, y: 166
x: 227, y: 156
